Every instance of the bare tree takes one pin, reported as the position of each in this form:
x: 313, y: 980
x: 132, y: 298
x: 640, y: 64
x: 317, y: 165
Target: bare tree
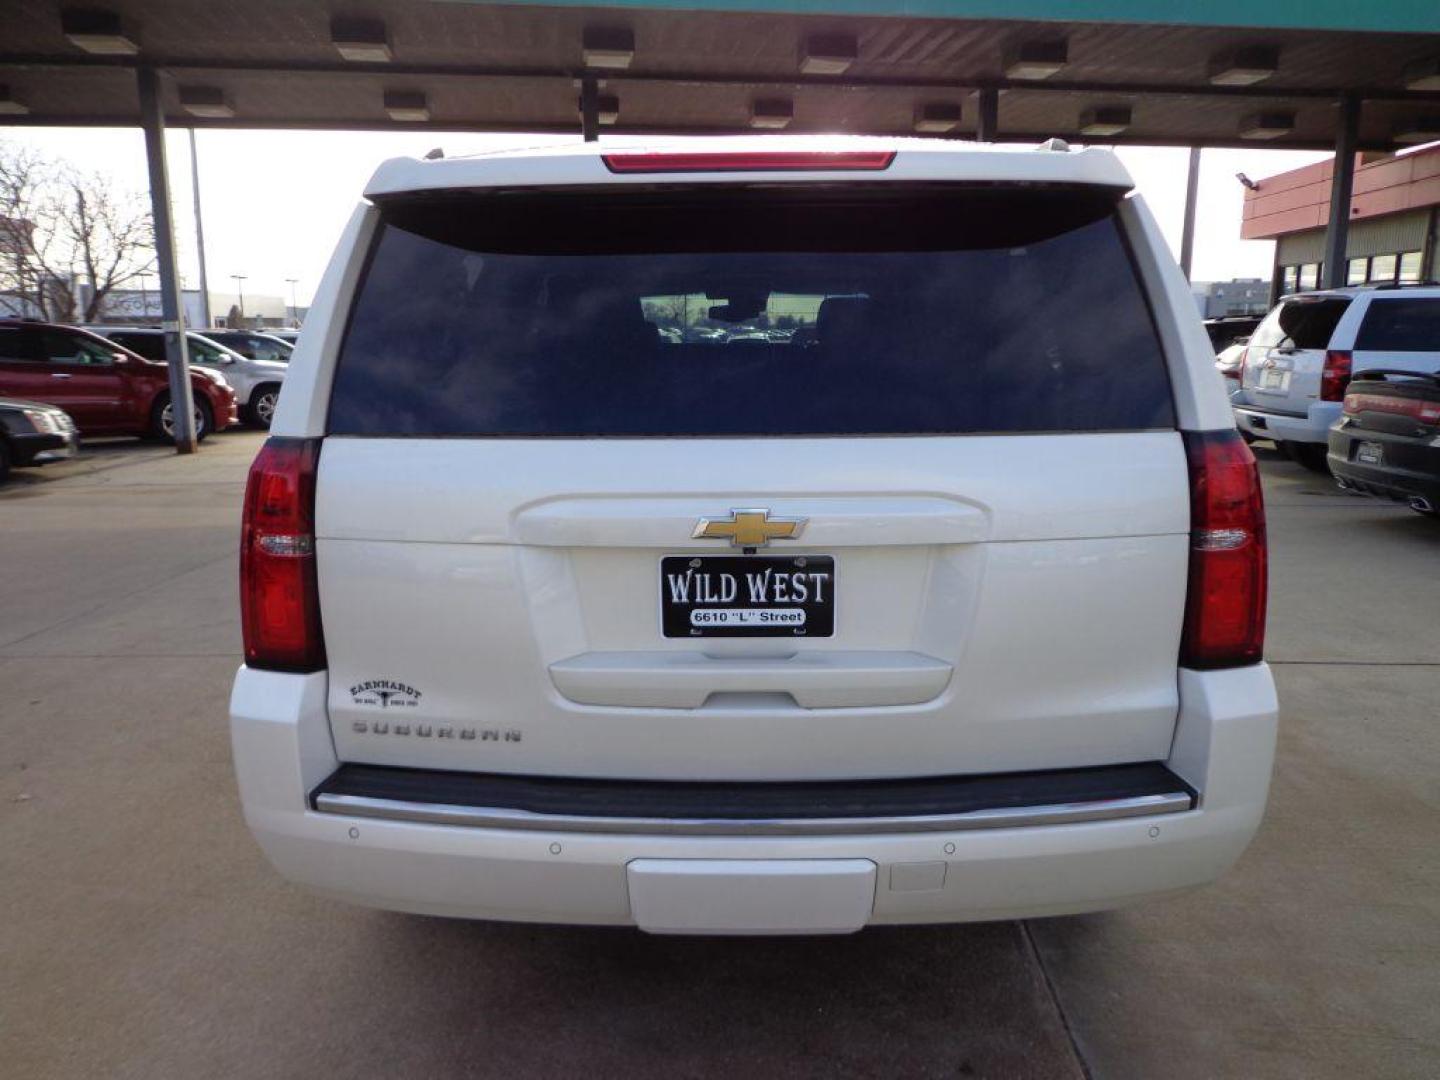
x: 56, y: 222
x: 27, y: 230
x: 110, y: 236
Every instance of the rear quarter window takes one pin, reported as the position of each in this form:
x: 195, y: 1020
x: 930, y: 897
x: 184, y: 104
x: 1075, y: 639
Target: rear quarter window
x: 1401, y: 325
x: 1302, y: 323
x: 150, y: 346
x: 744, y: 313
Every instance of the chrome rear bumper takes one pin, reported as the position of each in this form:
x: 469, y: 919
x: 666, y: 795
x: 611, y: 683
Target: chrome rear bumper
x: 863, y: 807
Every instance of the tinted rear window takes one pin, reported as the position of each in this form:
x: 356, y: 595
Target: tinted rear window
x: 150, y: 346
x: 1302, y: 323
x: 726, y: 313
x: 1411, y: 325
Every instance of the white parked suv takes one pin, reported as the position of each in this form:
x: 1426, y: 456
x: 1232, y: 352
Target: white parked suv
x: 946, y: 605
x: 1301, y: 357
x: 257, y: 382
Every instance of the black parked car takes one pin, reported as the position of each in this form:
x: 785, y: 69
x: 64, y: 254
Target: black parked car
x: 1387, y: 441
x: 32, y: 433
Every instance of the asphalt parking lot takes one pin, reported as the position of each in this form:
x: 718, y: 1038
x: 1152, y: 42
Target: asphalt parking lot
x: 144, y: 935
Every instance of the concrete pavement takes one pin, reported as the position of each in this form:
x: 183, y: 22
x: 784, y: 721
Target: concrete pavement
x: 1319, y: 954
x: 144, y: 935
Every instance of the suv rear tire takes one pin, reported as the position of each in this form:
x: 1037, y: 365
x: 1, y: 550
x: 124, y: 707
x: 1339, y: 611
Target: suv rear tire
x: 160, y: 421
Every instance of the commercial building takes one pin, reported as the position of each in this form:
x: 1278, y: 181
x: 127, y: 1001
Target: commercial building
x: 1242, y: 296
x: 141, y: 307
x: 1394, y: 216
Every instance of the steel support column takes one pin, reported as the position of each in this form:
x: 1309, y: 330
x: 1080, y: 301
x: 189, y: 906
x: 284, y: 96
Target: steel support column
x: 1187, y: 231
x: 152, y: 120
x: 987, y: 118
x: 590, y: 109
x: 1342, y: 186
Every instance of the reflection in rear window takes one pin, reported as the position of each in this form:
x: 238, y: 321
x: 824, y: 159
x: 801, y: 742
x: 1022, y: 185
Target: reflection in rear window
x: 726, y: 313
x: 1401, y: 326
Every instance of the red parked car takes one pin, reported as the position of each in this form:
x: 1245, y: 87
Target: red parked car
x: 107, y: 389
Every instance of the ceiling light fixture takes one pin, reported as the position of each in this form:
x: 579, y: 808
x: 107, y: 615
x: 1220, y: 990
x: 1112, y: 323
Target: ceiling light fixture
x: 8, y: 105
x: 1244, y: 67
x: 206, y: 101
x: 610, y: 47
x: 363, y: 41
x: 772, y: 113
x: 607, y: 109
x: 1423, y: 74
x: 828, y: 54
x: 937, y: 117
x: 1105, y: 120
x: 409, y: 106
x: 1267, y: 125
x: 97, y: 32
x: 1033, y: 60
x: 1410, y: 129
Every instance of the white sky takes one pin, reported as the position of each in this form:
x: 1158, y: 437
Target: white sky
x: 275, y: 201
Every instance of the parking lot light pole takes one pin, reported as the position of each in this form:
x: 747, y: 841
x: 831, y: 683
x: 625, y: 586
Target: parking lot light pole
x: 1187, y: 232
x: 294, y: 303
x: 177, y: 356
x: 199, y: 233
x: 239, y: 280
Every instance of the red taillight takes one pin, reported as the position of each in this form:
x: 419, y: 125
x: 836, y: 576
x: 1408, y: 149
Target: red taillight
x: 1225, y: 607
x: 279, y: 598
x: 752, y: 161
x: 1335, y: 376
x: 1357, y: 401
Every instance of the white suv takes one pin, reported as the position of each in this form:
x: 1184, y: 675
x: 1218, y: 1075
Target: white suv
x: 1301, y: 357
x: 942, y: 599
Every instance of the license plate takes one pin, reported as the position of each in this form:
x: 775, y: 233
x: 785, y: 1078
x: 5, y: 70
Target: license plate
x: 1274, y: 379
x: 747, y: 595
x: 1370, y: 453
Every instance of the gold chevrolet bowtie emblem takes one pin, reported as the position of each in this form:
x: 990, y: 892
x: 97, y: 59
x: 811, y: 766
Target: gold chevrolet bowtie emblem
x: 749, y: 528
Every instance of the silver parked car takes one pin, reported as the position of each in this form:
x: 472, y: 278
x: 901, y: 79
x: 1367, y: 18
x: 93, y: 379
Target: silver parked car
x: 254, y: 344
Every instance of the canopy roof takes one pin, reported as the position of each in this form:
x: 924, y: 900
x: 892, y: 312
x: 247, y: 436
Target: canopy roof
x: 699, y: 66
